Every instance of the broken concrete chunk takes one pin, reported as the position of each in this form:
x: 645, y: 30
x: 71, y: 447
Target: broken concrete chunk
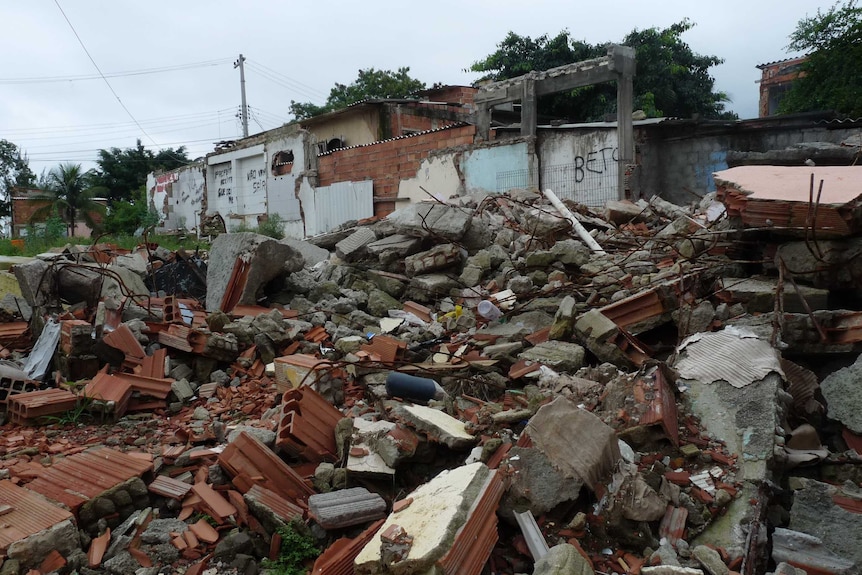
x: 710, y: 560
x: 758, y: 295
x: 440, y: 508
x: 432, y: 220
x: 34, y: 279
x: 558, y: 355
x: 843, y: 395
x: 438, y: 425
x: 265, y: 258
x: 828, y: 528
x: 808, y: 553
x: 437, y: 258
x: 347, y: 507
x: 392, y: 248
x: 537, y: 485
x: 353, y: 246
x: 563, y: 559
x: 576, y: 441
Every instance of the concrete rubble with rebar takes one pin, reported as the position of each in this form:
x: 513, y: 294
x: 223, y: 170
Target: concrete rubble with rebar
x: 683, y: 399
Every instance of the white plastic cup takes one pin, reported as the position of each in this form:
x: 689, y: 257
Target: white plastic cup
x: 489, y: 311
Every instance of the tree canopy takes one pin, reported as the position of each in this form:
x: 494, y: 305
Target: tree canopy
x: 369, y: 83
x: 831, y: 78
x: 123, y: 172
x: 14, y: 171
x: 671, y: 79
x: 73, y: 196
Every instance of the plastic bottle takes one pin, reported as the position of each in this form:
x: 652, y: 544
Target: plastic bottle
x: 489, y: 311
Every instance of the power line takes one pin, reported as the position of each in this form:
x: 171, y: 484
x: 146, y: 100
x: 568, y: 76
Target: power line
x: 288, y: 79
x: 99, y: 70
x: 107, y: 125
x: 140, y: 72
x: 292, y: 88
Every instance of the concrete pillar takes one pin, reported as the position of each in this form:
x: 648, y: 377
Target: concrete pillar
x: 483, y: 122
x: 623, y: 61
x: 529, y: 107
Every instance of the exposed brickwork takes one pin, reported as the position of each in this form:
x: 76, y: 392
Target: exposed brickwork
x: 25, y: 203
x: 388, y: 162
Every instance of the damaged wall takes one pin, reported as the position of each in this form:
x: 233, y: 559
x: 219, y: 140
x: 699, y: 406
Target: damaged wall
x: 178, y: 196
x: 678, y: 157
x: 580, y: 164
x: 326, y: 207
x: 388, y: 162
x: 497, y: 168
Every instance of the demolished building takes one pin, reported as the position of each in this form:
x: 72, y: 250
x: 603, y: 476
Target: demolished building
x: 495, y: 379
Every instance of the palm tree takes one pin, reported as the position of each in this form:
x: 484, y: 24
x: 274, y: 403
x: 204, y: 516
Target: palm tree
x: 72, y: 196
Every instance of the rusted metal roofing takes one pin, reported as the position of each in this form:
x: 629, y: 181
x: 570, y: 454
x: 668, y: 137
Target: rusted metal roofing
x: 31, y: 513
x: 78, y: 478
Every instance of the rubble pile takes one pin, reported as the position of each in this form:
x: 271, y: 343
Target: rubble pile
x: 507, y: 384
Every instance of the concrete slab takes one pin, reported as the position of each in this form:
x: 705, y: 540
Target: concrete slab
x: 440, y: 507
x: 440, y: 427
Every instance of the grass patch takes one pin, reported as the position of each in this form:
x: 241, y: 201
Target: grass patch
x: 297, y: 547
x: 37, y: 244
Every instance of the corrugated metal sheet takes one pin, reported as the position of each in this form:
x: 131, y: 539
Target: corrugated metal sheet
x: 731, y: 355
x: 330, y: 206
x: 31, y: 514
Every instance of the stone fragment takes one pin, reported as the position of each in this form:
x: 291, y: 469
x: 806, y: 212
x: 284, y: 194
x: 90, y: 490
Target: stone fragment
x: 558, y: 355
x: 758, y: 295
x: 267, y: 259
x: 623, y: 211
x: 576, y: 441
x: 432, y: 219
x: 563, y: 559
x: 393, y: 248
x: 809, y: 553
x: 843, y: 395
x: 537, y: 484
x: 564, y: 319
x: 353, y: 246
x: 710, y: 560
x: 347, y: 507
x: 438, y: 425
x: 183, y: 390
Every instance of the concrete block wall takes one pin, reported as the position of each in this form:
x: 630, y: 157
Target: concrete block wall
x: 387, y: 163
x: 679, y: 167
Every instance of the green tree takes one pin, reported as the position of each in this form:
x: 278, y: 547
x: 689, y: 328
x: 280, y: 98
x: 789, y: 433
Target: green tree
x: 122, y: 172
x: 124, y: 217
x: 831, y: 78
x: 671, y: 79
x: 14, y: 171
x: 72, y: 195
x: 369, y: 83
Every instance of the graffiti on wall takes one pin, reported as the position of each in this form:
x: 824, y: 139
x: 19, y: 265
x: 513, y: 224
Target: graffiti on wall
x: 600, y: 161
x: 223, y: 177
x: 257, y: 179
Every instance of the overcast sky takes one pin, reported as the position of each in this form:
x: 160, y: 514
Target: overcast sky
x: 296, y: 51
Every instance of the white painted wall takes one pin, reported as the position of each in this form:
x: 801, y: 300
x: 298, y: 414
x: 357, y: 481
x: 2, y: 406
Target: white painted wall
x: 327, y: 207
x: 580, y: 165
x: 177, y: 196
x: 438, y: 175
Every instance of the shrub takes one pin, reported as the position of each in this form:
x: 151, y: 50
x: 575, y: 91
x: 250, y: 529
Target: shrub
x: 297, y: 546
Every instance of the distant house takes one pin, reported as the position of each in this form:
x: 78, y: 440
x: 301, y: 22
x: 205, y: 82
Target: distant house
x: 776, y: 79
x: 375, y: 120
x: 27, y: 201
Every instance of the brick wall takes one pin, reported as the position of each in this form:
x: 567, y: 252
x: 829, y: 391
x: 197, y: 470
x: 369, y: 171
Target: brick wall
x: 388, y: 162
x: 23, y: 209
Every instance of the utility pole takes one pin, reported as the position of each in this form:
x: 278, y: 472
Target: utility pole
x: 239, y: 64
